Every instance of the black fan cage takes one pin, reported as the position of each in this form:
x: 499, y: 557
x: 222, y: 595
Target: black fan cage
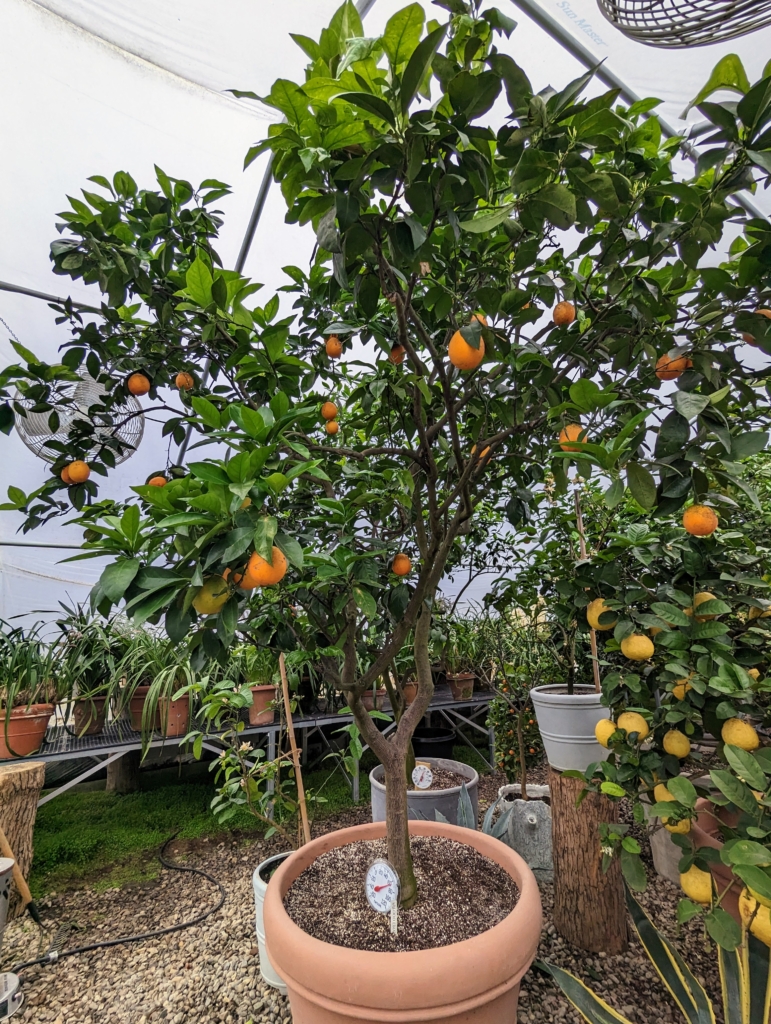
x: 80, y: 405
x: 682, y: 23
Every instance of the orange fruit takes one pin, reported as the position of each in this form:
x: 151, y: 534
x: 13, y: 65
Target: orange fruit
x: 401, y: 565
x: 157, y: 481
x: 332, y: 426
x: 78, y: 471
x: 65, y: 475
x: 138, y: 384
x: 480, y: 317
x: 463, y: 355
x: 571, y: 432
x: 237, y: 576
x: 334, y: 347
x: 564, y: 314
x: 485, y: 451
x: 329, y: 410
x: 750, y: 338
x: 700, y: 521
x: 261, y: 573
x: 396, y: 355
x: 184, y: 381
x: 671, y: 369
x: 212, y: 596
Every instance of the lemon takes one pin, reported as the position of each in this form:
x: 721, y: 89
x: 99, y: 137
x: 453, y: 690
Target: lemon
x: 740, y: 734
x: 211, y: 597
x: 760, y: 924
x: 662, y: 793
x: 682, y: 828
x: 677, y: 743
x: 593, y: 612
x: 697, y: 885
x: 702, y: 598
x: 681, y: 687
x: 630, y: 721
x: 637, y: 647
x: 604, y: 730
x: 763, y: 900
x: 753, y: 673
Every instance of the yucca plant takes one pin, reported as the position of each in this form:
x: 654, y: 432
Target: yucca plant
x: 745, y: 977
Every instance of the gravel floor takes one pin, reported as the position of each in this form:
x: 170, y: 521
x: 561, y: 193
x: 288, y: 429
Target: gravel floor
x: 209, y: 974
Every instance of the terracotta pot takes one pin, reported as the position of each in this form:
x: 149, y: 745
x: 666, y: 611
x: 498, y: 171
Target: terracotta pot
x: 471, y: 982
x: 368, y: 702
x: 410, y: 692
x: 262, y: 695
x: 88, y: 716
x: 462, y: 685
x: 174, y: 715
x: 705, y: 831
x: 23, y: 733
x: 137, y: 706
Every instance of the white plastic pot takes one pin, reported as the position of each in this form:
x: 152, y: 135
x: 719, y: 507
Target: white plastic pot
x: 423, y: 803
x: 566, y: 723
x: 260, y: 881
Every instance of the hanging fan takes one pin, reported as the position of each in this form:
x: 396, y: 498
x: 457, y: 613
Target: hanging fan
x: 682, y: 23
x: 79, y: 405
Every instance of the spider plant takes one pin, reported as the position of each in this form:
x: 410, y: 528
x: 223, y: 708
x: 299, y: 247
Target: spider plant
x: 161, y: 666
x: 28, y: 669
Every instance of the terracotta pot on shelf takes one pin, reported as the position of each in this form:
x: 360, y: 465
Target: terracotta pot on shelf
x: 410, y: 692
x: 88, y: 715
x: 262, y: 695
x: 461, y: 685
x: 174, y: 715
x: 137, y: 706
x: 25, y: 730
x: 377, y: 704
x: 474, y: 982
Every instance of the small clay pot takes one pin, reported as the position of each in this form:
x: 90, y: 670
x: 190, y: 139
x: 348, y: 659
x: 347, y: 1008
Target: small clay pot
x: 23, y: 733
x: 461, y: 685
x: 174, y: 715
x: 88, y: 715
x: 262, y: 695
x: 410, y: 692
x: 137, y: 706
x: 368, y: 703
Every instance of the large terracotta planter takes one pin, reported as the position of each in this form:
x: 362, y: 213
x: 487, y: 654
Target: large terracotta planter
x: 88, y: 716
x: 705, y: 831
x: 376, y: 704
x: 23, y: 734
x: 137, y: 706
x: 262, y: 695
x: 410, y: 691
x: 461, y: 685
x: 174, y: 715
x: 471, y: 982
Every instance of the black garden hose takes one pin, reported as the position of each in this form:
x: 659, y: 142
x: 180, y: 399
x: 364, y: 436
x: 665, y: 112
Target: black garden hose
x: 54, y: 955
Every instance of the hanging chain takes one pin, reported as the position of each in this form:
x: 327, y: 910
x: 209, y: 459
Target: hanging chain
x: 9, y: 330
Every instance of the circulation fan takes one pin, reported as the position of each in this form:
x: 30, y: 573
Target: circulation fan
x: 79, y: 404
x: 677, y: 24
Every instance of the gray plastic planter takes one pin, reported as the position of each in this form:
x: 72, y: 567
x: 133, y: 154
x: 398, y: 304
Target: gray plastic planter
x: 566, y: 723
x: 422, y: 804
x: 260, y: 881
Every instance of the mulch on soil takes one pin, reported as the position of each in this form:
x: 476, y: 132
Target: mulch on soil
x: 463, y: 893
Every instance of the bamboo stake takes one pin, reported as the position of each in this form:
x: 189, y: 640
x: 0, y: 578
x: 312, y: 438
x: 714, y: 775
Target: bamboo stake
x: 18, y: 877
x: 592, y: 633
x: 295, y: 752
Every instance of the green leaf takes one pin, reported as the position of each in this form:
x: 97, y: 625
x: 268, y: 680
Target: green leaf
x: 686, y: 910
x: 748, y: 443
x: 487, y: 221
x: 755, y: 877
x: 264, y: 533
x: 290, y: 100
x: 682, y: 790
x: 614, y: 493
x: 612, y: 789
x: 372, y: 104
x: 746, y: 852
x: 116, y: 578
x: 291, y: 548
x: 557, y: 204
x: 746, y: 767
x: 402, y: 34
x: 728, y: 73
x: 633, y: 870
x: 689, y: 404
x: 583, y: 393
x: 198, y: 281
x: 418, y: 65
x: 737, y: 792
x: 365, y: 601
x: 641, y: 484
x: 207, y: 411
x: 588, y: 1004
x: 723, y: 929
x: 26, y: 354
x: 209, y: 473
x: 670, y: 613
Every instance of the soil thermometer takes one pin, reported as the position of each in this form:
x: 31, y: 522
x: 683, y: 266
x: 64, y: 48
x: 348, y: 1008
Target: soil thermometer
x: 422, y: 776
x: 382, y: 889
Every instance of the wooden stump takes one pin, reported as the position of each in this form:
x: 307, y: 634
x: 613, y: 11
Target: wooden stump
x: 123, y: 774
x: 20, y: 785
x: 589, y: 906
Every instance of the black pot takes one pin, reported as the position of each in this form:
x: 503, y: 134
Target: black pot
x: 433, y: 742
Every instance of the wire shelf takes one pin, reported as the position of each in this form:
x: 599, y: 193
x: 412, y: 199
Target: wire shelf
x: 678, y: 24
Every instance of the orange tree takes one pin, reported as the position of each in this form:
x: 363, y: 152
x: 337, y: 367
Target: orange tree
x: 439, y: 245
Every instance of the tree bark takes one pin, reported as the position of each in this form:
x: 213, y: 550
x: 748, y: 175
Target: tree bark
x: 20, y: 785
x: 123, y: 774
x: 589, y: 906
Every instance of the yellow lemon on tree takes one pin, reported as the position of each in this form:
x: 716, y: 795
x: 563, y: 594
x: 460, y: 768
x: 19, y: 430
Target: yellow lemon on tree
x: 758, y: 613
x: 604, y: 730
x: 738, y: 733
x: 637, y: 647
x: 677, y: 744
x: 631, y: 721
x: 681, y: 687
x: 662, y: 794
x: 212, y: 596
x: 680, y: 828
x: 756, y: 917
x: 763, y: 900
x: 753, y: 673
x: 702, y: 598
x: 594, y: 610
x: 697, y: 885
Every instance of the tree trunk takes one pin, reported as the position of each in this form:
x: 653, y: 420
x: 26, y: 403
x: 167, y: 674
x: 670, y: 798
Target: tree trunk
x: 589, y: 906
x: 20, y: 785
x: 398, y: 838
x: 123, y: 774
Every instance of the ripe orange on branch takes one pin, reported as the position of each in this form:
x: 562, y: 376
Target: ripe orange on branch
x: 571, y: 432
x: 329, y: 410
x: 65, y: 475
x: 138, y: 384
x: 261, y: 573
x: 184, y: 381
x: 334, y: 347
x: 78, y: 471
x: 157, y: 481
x: 564, y: 313
x: 463, y: 355
x: 670, y: 369
x: 401, y: 565
x: 700, y: 521
x: 396, y: 355
x: 332, y: 426
x: 750, y: 338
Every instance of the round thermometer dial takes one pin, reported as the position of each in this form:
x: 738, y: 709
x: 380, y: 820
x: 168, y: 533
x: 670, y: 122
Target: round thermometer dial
x: 422, y: 776
x: 381, y: 886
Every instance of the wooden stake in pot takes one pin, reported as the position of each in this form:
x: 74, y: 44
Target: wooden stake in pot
x: 295, y: 751
x: 592, y: 633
